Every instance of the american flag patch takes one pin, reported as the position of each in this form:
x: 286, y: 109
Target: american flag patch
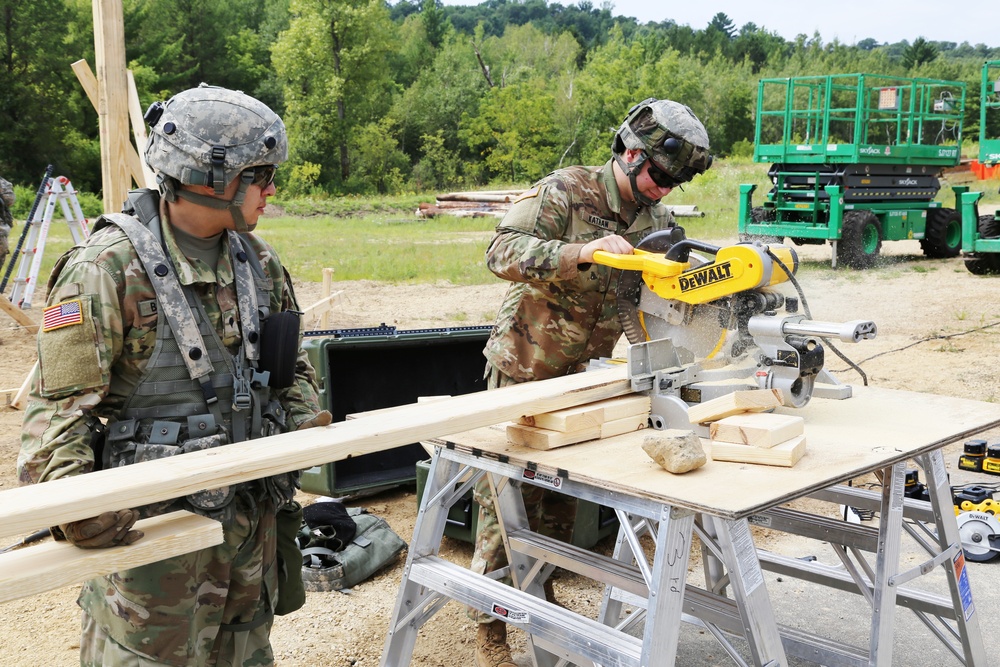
x: 62, y: 315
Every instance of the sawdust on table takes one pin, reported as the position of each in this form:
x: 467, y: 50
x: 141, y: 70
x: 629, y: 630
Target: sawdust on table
x: 938, y: 332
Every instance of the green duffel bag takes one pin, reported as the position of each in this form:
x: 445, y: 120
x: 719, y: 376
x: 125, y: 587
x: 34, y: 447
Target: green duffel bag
x: 373, y: 547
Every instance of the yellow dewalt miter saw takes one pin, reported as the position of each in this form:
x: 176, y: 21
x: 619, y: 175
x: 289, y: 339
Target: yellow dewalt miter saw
x: 703, y: 321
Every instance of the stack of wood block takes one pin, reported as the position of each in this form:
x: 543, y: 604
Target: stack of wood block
x: 741, y: 430
x: 592, y: 421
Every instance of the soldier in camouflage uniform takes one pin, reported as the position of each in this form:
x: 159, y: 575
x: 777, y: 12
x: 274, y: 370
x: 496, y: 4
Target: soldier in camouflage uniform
x: 561, y: 308
x: 7, y: 200
x: 159, y: 325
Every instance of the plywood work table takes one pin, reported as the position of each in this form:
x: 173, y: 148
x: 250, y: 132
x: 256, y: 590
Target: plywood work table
x: 846, y: 439
x: 878, y: 430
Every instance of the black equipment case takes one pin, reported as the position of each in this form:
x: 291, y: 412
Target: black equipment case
x: 379, y: 367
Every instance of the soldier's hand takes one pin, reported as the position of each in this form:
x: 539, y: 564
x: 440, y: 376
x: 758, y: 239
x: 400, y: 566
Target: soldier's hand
x: 110, y: 529
x: 322, y: 418
x: 613, y: 244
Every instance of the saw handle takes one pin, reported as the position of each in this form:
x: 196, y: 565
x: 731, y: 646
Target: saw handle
x: 681, y: 251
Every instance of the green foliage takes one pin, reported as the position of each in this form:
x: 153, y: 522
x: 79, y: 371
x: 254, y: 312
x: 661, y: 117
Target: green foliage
x: 376, y: 158
x: 501, y: 91
x: 332, y: 61
x: 918, y: 53
x: 438, y: 168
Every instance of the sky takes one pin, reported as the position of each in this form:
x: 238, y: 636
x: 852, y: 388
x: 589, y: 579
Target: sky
x: 850, y: 21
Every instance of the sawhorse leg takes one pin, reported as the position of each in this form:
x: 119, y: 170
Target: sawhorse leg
x: 415, y: 605
x: 744, y: 577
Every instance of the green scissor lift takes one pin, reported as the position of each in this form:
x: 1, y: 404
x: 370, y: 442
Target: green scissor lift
x: 855, y: 161
x: 981, y: 233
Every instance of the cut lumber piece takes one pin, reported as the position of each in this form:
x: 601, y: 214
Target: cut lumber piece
x: 754, y: 400
x: 588, y: 416
x: 45, y: 567
x: 757, y: 429
x: 24, y: 508
x: 543, y: 438
x: 786, y: 454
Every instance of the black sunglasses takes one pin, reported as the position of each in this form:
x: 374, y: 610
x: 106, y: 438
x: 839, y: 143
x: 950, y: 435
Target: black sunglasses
x: 263, y: 175
x: 662, y: 178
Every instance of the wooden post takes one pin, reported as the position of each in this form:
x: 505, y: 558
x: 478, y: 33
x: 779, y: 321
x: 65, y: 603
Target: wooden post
x: 112, y: 101
x: 139, y: 131
x: 136, y: 166
x: 324, y: 319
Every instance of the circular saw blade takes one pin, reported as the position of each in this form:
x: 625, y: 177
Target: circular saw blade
x: 695, y: 330
x: 979, y: 533
x: 699, y: 330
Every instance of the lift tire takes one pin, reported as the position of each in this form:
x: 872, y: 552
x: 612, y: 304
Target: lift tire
x: 760, y: 214
x: 860, y: 240
x: 943, y: 234
x: 988, y: 263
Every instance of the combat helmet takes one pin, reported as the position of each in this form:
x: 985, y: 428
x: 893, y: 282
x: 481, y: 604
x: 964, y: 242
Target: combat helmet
x: 670, y: 135
x: 208, y: 136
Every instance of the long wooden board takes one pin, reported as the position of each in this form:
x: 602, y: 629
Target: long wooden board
x: 45, y: 567
x: 588, y: 416
x: 25, y: 509
x: 543, y: 438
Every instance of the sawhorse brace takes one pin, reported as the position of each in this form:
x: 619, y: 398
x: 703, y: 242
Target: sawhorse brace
x: 658, y: 593
x: 59, y: 190
x: 558, y: 636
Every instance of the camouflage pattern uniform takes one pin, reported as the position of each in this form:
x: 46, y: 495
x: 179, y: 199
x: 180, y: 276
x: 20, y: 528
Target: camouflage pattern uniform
x: 556, y: 315
x: 189, y: 609
x: 7, y: 200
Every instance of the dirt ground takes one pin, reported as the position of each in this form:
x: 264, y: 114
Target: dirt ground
x: 938, y: 329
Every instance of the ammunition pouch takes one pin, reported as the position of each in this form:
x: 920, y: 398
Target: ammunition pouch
x: 279, y: 348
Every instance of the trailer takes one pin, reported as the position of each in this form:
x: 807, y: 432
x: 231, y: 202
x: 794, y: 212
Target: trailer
x: 981, y: 233
x: 856, y: 161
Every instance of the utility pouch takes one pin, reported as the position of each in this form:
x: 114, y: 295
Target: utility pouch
x: 279, y: 348
x: 291, y: 592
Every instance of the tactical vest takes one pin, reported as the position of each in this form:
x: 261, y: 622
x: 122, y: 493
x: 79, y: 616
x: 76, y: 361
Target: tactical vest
x: 194, y: 394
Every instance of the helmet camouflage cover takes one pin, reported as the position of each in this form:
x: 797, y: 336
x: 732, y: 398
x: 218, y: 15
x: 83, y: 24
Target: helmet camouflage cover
x: 671, y: 136
x: 208, y: 135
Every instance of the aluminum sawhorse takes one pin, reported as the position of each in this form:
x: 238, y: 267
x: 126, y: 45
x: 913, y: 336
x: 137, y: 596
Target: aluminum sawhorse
x: 556, y: 635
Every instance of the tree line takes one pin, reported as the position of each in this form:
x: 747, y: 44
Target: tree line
x: 416, y: 96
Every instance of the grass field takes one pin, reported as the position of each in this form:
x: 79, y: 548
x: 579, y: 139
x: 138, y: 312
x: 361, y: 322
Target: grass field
x: 382, y: 239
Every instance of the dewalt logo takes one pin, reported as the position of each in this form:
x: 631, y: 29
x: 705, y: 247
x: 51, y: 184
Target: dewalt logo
x: 696, y: 278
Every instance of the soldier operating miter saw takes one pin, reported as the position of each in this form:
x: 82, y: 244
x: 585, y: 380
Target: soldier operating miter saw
x: 704, y: 321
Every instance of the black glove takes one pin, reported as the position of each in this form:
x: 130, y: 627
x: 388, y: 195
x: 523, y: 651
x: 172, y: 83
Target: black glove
x: 110, y: 529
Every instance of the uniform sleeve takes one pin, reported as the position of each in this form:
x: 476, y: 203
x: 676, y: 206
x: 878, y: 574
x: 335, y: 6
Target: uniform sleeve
x: 530, y: 244
x: 301, y: 400
x: 78, y: 341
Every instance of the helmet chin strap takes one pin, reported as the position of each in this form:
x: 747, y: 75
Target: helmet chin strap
x: 632, y: 169
x: 234, y: 205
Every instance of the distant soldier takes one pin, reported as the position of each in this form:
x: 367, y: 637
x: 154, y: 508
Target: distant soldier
x: 561, y: 308
x: 7, y: 199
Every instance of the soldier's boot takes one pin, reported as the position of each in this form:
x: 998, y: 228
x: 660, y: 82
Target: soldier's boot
x: 491, y: 646
x: 550, y: 594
